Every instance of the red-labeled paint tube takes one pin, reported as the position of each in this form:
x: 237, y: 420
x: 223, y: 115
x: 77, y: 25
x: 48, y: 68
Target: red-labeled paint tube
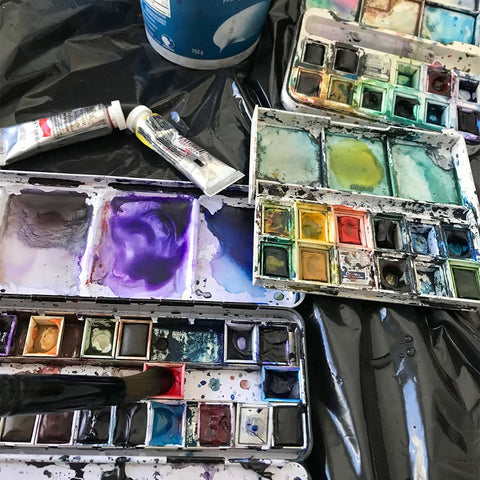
x: 26, y: 139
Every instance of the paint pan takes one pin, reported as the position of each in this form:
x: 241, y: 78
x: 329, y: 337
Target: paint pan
x: 466, y: 279
x: 356, y: 164
x: 468, y: 121
x: 94, y: 426
x: 241, y: 342
x: 316, y: 264
x: 351, y: 225
x: 48, y: 233
x: 288, y: 426
x: 17, y: 429
x: 431, y: 279
x: 356, y: 268
x: 308, y: 83
x: 277, y: 221
x: 134, y: 337
x: 340, y: 90
x: 44, y: 336
x: 7, y: 327
x: 274, y: 344
x: 408, y: 75
x: 314, y: 53
x: 55, y: 428
x: 191, y: 430
x: 130, y: 422
x: 346, y: 59
x: 425, y: 239
x: 146, y: 248
x: 275, y: 147
x: 376, y: 66
x: 99, y: 338
x: 72, y: 338
x: 373, y: 98
x: 395, y: 274
x: 253, y: 425
x: 276, y: 260
x: 313, y: 222
x: 437, y: 113
x: 406, y: 106
x: 167, y: 424
x: 458, y: 241
x: 281, y: 384
x: 468, y: 90
x: 178, y: 370
x: 439, y: 81
x: 215, y: 428
x: 389, y: 232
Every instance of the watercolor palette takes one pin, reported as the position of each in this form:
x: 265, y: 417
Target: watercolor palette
x: 340, y: 67
x: 318, y: 231
x: 118, y: 238
x: 445, y: 21
x: 219, y: 406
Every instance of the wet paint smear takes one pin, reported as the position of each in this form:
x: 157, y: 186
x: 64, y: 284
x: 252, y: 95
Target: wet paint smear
x: 147, y: 246
x: 131, y: 425
x: 7, y: 327
x: 417, y: 176
x: 287, y: 155
x: 178, y: 341
x: 357, y: 165
x: 18, y: 428
x: 215, y: 426
x: 167, y: 424
x: 232, y: 264
x: 447, y: 26
x: 274, y: 344
x: 48, y: 233
x: 94, y: 426
x: 466, y: 283
x: 287, y: 427
x: 55, y: 428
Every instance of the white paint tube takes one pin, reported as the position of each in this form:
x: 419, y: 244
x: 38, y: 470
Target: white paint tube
x: 26, y: 139
x: 206, y: 171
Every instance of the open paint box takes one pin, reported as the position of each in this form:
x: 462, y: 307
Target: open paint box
x: 383, y: 213
x: 345, y: 68
x: 240, y: 392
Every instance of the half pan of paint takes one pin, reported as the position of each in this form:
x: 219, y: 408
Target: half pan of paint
x: 241, y: 343
x: 99, y: 338
x: 431, y: 279
x: 466, y: 279
x: 274, y: 344
x: 55, y: 428
x: 17, y: 429
x: 281, y: 384
x: 130, y: 425
x: 44, y: 336
x: 288, y: 426
x: 167, y: 424
x: 134, y: 338
x: 178, y: 371
x: 215, y: 425
x: 94, y: 426
x: 395, y: 274
x: 253, y: 425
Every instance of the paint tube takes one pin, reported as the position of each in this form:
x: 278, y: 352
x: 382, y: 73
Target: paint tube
x: 206, y: 171
x: 26, y: 139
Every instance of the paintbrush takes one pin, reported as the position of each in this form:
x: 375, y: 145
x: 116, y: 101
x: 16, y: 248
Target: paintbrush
x: 35, y: 394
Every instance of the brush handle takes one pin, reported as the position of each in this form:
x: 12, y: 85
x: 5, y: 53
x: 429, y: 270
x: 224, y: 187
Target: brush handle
x: 32, y: 394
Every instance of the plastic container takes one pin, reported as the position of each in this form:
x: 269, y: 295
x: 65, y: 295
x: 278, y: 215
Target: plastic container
x: 204, y: 35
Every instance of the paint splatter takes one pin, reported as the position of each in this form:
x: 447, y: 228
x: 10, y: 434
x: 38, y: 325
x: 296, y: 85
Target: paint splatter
x: 214, y: 384
x: 245, y: 384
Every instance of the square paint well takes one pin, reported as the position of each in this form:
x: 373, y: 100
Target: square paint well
x: 439, y: 81
x: 389, y: 232
x: 276, y: 260
x: 55, y: 428
x: 308, y: 83
x: 459, y: 242
x: 7, y: 327
x: 94, y: 426
x: 99, y: 338
x: 436, y: 114
x: 395, y: 274
x: 340, y: 91
x: 241, y: 343
x: 466, y: 279
x: 191, y: 430
x: 288, y: 429
x: 468, y: 90
x: 215, y: 427
x: 253, y: 425
x: 281, y: 384
x: 408, y: 75
x: 43, y: 242
x: 421, y: 172
x: 44, y: 336
x: 312, y: 223
x: 146, y: 247
x: 356, y: 268
x: 277, y: 146
x: 357, y: 164
x: 406, y: 107
x: 431, y: 279
x: 424, y: 239
x: 372, y: 98
x: 277, y: 220
x: 130, y: 425
x: 274, y: 344
x: 134, y: 337
x: 346, y: 59
x: 350, y: 226
x: 314, y: 53
x: 18, y: 428
x: 447, y: 26
x: 315, y: 264
x: 468, y: 121
x: 178, y: 371
x: 376, y: 67
x: 167, y: 424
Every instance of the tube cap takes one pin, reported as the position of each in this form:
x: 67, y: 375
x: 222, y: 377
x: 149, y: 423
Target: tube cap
x: 135, y: 115
x: 116, y: 115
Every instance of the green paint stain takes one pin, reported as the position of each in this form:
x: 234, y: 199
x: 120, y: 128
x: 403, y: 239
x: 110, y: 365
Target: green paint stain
x: 418, y: 177
x: 287, y: 156
x: 356, y: 165
x: 214, y: 384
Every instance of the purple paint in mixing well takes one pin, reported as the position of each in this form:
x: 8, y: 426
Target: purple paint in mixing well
x: 147, y: 246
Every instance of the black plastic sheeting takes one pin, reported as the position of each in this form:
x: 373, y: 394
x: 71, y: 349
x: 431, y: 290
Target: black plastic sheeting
x: 394, y: 390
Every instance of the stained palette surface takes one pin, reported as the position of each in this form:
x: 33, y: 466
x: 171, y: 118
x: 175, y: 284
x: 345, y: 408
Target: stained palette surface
x: 433, y: 87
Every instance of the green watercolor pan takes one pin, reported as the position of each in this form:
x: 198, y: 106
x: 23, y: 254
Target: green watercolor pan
x: 389, y: 212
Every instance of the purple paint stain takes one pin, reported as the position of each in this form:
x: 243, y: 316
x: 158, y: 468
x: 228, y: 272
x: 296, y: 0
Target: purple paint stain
x: 147, y: 247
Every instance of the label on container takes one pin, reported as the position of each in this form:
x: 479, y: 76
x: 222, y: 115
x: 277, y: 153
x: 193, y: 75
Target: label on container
x: 204, y: 30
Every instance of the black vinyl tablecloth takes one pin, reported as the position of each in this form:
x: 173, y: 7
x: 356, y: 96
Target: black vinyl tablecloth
x: 395, y: 390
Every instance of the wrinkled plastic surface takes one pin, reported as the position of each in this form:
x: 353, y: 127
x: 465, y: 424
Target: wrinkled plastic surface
x: 395, y: 390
